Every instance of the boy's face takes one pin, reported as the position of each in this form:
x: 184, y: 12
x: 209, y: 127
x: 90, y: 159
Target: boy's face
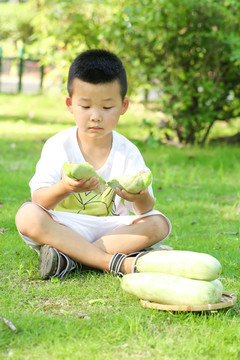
x: 96, y: 107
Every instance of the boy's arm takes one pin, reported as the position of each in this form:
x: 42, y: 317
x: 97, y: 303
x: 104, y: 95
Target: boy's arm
x: 50, y: 196
x: 142, y: 202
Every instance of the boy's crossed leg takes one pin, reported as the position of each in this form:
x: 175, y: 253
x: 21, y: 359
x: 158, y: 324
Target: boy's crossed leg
x: 36, y: 223
x: 143, y: 233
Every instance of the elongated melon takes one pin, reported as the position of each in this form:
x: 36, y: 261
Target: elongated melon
x: 171, y: 289
x: 84, y: 171
x: 187, y: 264
x: 132, y: 183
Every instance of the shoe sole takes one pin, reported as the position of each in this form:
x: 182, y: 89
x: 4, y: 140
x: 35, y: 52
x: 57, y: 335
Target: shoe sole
x: 47, y: 261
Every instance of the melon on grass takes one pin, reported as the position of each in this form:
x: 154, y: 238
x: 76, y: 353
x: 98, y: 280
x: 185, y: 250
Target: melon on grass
x: 189, y: 264
x: 171, y: 289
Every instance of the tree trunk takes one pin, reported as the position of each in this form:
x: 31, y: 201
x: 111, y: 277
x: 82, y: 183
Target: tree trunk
x: 202, y: 142
x: 146, y: 92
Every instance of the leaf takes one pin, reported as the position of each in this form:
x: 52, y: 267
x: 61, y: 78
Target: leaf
x: 146, y: 123
x: 93, y: 301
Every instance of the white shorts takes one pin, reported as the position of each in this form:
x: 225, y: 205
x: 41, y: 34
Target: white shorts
x: 91, y: 227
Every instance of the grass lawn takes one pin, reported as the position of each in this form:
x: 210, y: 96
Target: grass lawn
x: 87, y: 315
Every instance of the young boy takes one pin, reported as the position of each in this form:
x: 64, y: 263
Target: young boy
x: 67, y: 223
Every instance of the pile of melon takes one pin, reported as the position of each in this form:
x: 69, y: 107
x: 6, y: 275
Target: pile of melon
x: 176, y: 277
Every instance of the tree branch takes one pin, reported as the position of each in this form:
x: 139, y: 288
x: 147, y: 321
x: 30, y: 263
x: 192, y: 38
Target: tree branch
x: 9, y: 324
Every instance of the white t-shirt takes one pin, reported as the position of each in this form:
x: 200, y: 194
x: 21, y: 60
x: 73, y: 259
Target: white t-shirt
x: 124, y: 159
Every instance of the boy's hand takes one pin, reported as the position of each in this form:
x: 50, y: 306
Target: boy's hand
x: 50, y: 196
x: 83, y: 185
x: 131, y: 197
x: 142, y: 202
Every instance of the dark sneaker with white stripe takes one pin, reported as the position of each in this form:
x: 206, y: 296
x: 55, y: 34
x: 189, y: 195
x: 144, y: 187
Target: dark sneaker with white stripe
x: 54, y: 263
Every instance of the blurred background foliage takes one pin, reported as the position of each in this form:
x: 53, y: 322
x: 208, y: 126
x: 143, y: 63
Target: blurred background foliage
x: 186, y: 52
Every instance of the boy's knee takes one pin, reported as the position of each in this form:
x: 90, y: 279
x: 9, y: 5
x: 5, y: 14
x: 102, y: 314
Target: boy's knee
x: 28, y: 218
x: 159, y: 227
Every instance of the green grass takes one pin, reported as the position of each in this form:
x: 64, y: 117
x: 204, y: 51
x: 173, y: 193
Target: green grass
x: 197, y: 188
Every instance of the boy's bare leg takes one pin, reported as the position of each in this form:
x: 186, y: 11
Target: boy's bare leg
x: 37, y: 224
x: 143, y: 233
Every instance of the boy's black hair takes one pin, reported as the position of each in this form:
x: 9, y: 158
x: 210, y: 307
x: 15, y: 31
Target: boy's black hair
x: 97, y: 66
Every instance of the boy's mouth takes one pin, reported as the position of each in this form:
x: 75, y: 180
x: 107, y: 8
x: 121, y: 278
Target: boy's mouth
x: 95, y: 128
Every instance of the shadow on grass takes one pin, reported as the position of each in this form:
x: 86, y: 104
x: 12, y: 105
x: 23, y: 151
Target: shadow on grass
x: 35, y: 120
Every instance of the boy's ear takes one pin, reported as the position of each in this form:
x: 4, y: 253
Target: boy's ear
x: 69, y: 103
x: 125, y: 105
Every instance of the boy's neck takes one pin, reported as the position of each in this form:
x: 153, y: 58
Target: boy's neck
x: 95, y: 151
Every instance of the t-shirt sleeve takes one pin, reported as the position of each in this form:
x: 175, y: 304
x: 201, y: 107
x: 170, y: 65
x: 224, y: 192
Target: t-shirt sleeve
x: 48, y: 169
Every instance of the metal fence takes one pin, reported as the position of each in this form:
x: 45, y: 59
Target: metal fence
x: 20, y: 74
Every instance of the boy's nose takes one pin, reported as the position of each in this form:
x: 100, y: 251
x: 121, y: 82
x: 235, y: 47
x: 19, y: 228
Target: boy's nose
x: 96, y: 115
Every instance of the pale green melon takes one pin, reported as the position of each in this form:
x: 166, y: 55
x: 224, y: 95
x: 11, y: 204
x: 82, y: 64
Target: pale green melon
x: 171, y: 289
x: 84, y: 171
x: 132, y: 183
x: 189, y: 264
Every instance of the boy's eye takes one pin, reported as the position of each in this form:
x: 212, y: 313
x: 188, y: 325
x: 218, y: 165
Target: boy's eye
x: 107, y: 107
x: 85, y: 107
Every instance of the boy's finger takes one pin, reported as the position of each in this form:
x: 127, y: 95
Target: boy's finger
x: 143, y: 192
x: 93, y: 180
x: 118, y: 191
x: 81, y: 181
